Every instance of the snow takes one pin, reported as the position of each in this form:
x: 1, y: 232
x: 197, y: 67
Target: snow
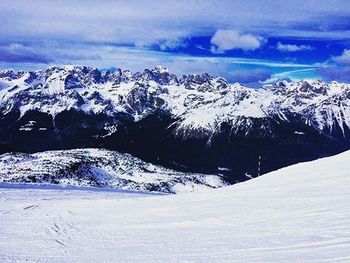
x: 161, y: 69
x: 100, y: 168
x: 297, y: 214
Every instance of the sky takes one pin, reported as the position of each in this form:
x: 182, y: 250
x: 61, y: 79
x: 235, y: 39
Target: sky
x: 251, y: 42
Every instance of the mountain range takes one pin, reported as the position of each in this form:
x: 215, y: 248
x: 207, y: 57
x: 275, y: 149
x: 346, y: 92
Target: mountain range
x: 192, y: 123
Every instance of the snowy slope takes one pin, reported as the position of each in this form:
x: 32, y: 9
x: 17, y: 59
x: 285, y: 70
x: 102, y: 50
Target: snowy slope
x: 100, y: 168
x: 297, y: 214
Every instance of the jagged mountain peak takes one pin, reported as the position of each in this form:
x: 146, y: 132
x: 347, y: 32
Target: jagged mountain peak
x: 200, y: 103
x: 158, y: 73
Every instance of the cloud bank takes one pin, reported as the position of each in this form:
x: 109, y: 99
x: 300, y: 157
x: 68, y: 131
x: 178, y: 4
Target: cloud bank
x: 224, y: 40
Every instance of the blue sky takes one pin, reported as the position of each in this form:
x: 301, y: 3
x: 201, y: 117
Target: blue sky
x: 247, y: 41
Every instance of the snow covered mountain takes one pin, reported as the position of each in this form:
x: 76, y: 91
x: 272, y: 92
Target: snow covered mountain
x: 99, y: 168
x: 193, y: 122
x: 297, y: 214
x: 200, y: 103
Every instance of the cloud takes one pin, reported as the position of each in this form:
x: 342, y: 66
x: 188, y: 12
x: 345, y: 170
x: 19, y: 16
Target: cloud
x: 334, y: 73
x: 18, y: 53
x: 224, y: 40
x: 256, y: 62
x: 344, y: 58
x: 172, y: 44
x: 133, y: 21
x: 189, y: 66
x: 45, y: 54
x: 292, y: 47
x: 292, y: 75
x: 164, y: 45
x: 250, y: 76
x: 339, y: 70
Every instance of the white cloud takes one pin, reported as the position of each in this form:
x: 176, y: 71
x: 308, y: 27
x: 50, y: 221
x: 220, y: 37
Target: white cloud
x: 255, y: 62
x: 292, y: 48
x: 224, y: 40
x: 307, y: 73
x: 164, y: 45
x: 343, y: 58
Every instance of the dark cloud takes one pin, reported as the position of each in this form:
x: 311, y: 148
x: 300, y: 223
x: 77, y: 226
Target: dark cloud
x: 339, y: 69
x: 149, y: 22
x: 17, y: 53
x: 250, y: 76
x: 335, y: 73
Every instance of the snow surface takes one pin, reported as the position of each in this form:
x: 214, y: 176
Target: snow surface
x: 296, y: 214
x: 100, y: 168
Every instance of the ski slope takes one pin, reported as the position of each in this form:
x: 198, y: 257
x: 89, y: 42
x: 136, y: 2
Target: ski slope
x: 297, y: 214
